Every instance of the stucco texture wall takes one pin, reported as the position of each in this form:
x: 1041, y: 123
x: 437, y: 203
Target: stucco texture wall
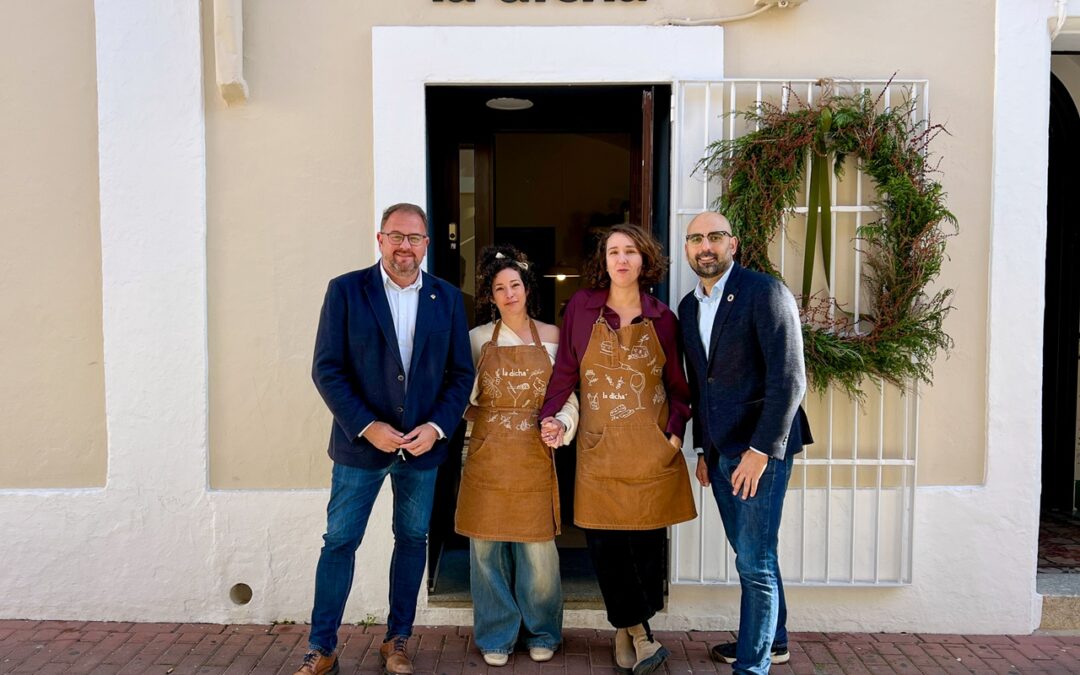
x: 290, y: 184
x: 52, y: 416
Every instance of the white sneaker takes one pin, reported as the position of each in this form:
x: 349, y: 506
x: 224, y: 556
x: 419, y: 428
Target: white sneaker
x: 496, y: 659
x: 541, y: 654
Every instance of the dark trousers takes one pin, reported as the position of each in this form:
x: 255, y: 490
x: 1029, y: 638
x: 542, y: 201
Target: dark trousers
x: 630, y: 566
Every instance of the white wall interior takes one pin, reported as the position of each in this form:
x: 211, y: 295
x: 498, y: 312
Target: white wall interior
x: 157, y: 544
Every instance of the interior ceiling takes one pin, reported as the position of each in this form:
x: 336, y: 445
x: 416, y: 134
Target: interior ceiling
x: 577, y: 108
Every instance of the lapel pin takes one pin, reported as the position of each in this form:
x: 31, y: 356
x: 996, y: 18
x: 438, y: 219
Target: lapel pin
x: 432, y: 296
x: 731, y: 297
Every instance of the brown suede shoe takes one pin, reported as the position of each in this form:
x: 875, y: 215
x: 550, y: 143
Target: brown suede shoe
x: 395, y: 660
x: 317, y: 663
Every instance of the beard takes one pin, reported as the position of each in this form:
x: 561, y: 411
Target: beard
x: 404, y: 267
x: 711, y: 269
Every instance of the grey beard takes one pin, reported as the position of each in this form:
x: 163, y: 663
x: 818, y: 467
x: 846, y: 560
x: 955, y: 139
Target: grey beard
x: 399, y: 269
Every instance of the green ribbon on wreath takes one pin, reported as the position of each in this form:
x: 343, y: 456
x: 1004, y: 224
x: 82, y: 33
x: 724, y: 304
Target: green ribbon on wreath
x: 819, y: 209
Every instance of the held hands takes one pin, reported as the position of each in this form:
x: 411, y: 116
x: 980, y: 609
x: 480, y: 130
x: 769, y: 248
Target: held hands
x: 551, y: 432
x: 745, y: 477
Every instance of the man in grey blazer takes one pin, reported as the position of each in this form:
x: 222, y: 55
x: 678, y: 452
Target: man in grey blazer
x: 744, y: 355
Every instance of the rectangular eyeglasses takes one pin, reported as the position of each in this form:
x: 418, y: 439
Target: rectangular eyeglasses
x: 714, y: 237
x: 397, y: 237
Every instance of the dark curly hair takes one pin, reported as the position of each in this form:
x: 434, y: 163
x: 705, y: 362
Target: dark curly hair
x: 495, y: 259
x: 654, y: 264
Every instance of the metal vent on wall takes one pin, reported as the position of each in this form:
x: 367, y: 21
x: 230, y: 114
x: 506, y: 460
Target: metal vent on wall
x: 849, y: 513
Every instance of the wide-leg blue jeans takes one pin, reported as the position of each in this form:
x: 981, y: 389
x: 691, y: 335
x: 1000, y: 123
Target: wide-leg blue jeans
x: 515, y: 585
x: 352, y: 495
x: 752, y: 526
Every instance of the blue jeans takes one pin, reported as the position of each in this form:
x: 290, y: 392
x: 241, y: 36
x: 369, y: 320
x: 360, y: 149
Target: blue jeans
x: 752, y: 526
x: 352, y: 494
x: 514, y: 585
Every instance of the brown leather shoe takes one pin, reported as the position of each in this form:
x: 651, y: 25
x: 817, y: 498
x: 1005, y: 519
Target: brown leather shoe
x: 317, y: 663
x: 395, y: 660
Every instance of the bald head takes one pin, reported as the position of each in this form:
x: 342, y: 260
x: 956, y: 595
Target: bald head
x: 709, y: 221
x: 710, y: 246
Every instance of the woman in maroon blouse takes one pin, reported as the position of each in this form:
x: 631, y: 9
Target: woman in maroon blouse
x: 621, y: 346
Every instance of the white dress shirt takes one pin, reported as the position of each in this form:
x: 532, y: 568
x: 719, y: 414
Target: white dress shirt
x: 707, y: 306
x: 403, y: 302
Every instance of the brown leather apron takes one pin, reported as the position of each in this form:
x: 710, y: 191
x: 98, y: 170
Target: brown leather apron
x: 509, y: 491
x: 629, y: 477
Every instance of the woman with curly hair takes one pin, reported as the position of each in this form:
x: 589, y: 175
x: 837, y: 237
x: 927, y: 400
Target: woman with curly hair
x: 508, y: 504
x: 621, y: 346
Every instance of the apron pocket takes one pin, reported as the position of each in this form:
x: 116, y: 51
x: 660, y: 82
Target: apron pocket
x: 634, y: 453
x: 511, y: 462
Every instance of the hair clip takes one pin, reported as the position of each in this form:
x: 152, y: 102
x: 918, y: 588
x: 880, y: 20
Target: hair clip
x: 499, y: 256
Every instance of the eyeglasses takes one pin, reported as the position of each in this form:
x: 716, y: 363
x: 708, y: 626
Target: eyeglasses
x: 714, y: 237
x: 397, y: 237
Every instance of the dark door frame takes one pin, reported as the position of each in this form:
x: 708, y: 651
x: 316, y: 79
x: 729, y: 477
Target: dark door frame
x: 647, y: 110
x: 1061, y: 328
x: 450, y: 125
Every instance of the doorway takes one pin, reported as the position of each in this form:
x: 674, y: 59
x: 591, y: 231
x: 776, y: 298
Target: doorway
x: 547, y: 169
x: 1059, y: 538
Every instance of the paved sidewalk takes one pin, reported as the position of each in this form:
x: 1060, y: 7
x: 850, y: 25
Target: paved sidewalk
x: 48, y: 647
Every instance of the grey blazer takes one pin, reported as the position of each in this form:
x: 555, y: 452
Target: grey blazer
x: 748, y: 392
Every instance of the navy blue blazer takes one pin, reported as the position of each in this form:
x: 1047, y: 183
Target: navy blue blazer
x: 748, y: 392
x: 358, y: 368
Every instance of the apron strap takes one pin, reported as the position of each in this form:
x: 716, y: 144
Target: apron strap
x: 535, y: 334
x: 532, y: 328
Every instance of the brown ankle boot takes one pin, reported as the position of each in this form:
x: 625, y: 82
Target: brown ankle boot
x: 625, y: 656
x: 395, y: 660
x: 650, y: 653
x: 317, y: 663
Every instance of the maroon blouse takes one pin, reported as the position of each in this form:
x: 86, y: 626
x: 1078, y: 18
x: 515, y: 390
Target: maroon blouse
x: 581, y: 313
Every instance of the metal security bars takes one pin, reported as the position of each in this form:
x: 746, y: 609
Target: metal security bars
x: 848, y: 517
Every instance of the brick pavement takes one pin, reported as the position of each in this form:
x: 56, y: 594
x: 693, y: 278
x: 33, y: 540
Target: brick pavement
x: 97, y: 648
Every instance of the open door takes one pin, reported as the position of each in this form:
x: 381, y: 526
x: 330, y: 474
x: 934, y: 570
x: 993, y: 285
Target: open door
x: 550, y: 178
x: 1061, y: 325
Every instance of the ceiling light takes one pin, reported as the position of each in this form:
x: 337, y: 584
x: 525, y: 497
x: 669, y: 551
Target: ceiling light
x: 562, y: 272
x: 508, y: 103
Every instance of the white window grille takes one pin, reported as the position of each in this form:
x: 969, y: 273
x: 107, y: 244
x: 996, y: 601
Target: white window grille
x: 848, y: 517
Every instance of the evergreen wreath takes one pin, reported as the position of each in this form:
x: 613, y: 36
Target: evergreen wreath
x: 900, y: 333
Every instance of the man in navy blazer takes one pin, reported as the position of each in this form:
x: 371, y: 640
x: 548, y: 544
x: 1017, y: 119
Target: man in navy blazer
x: 393, y: 364
x: 744, y: 355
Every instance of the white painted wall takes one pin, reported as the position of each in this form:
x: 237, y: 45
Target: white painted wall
x: 156, y: 544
